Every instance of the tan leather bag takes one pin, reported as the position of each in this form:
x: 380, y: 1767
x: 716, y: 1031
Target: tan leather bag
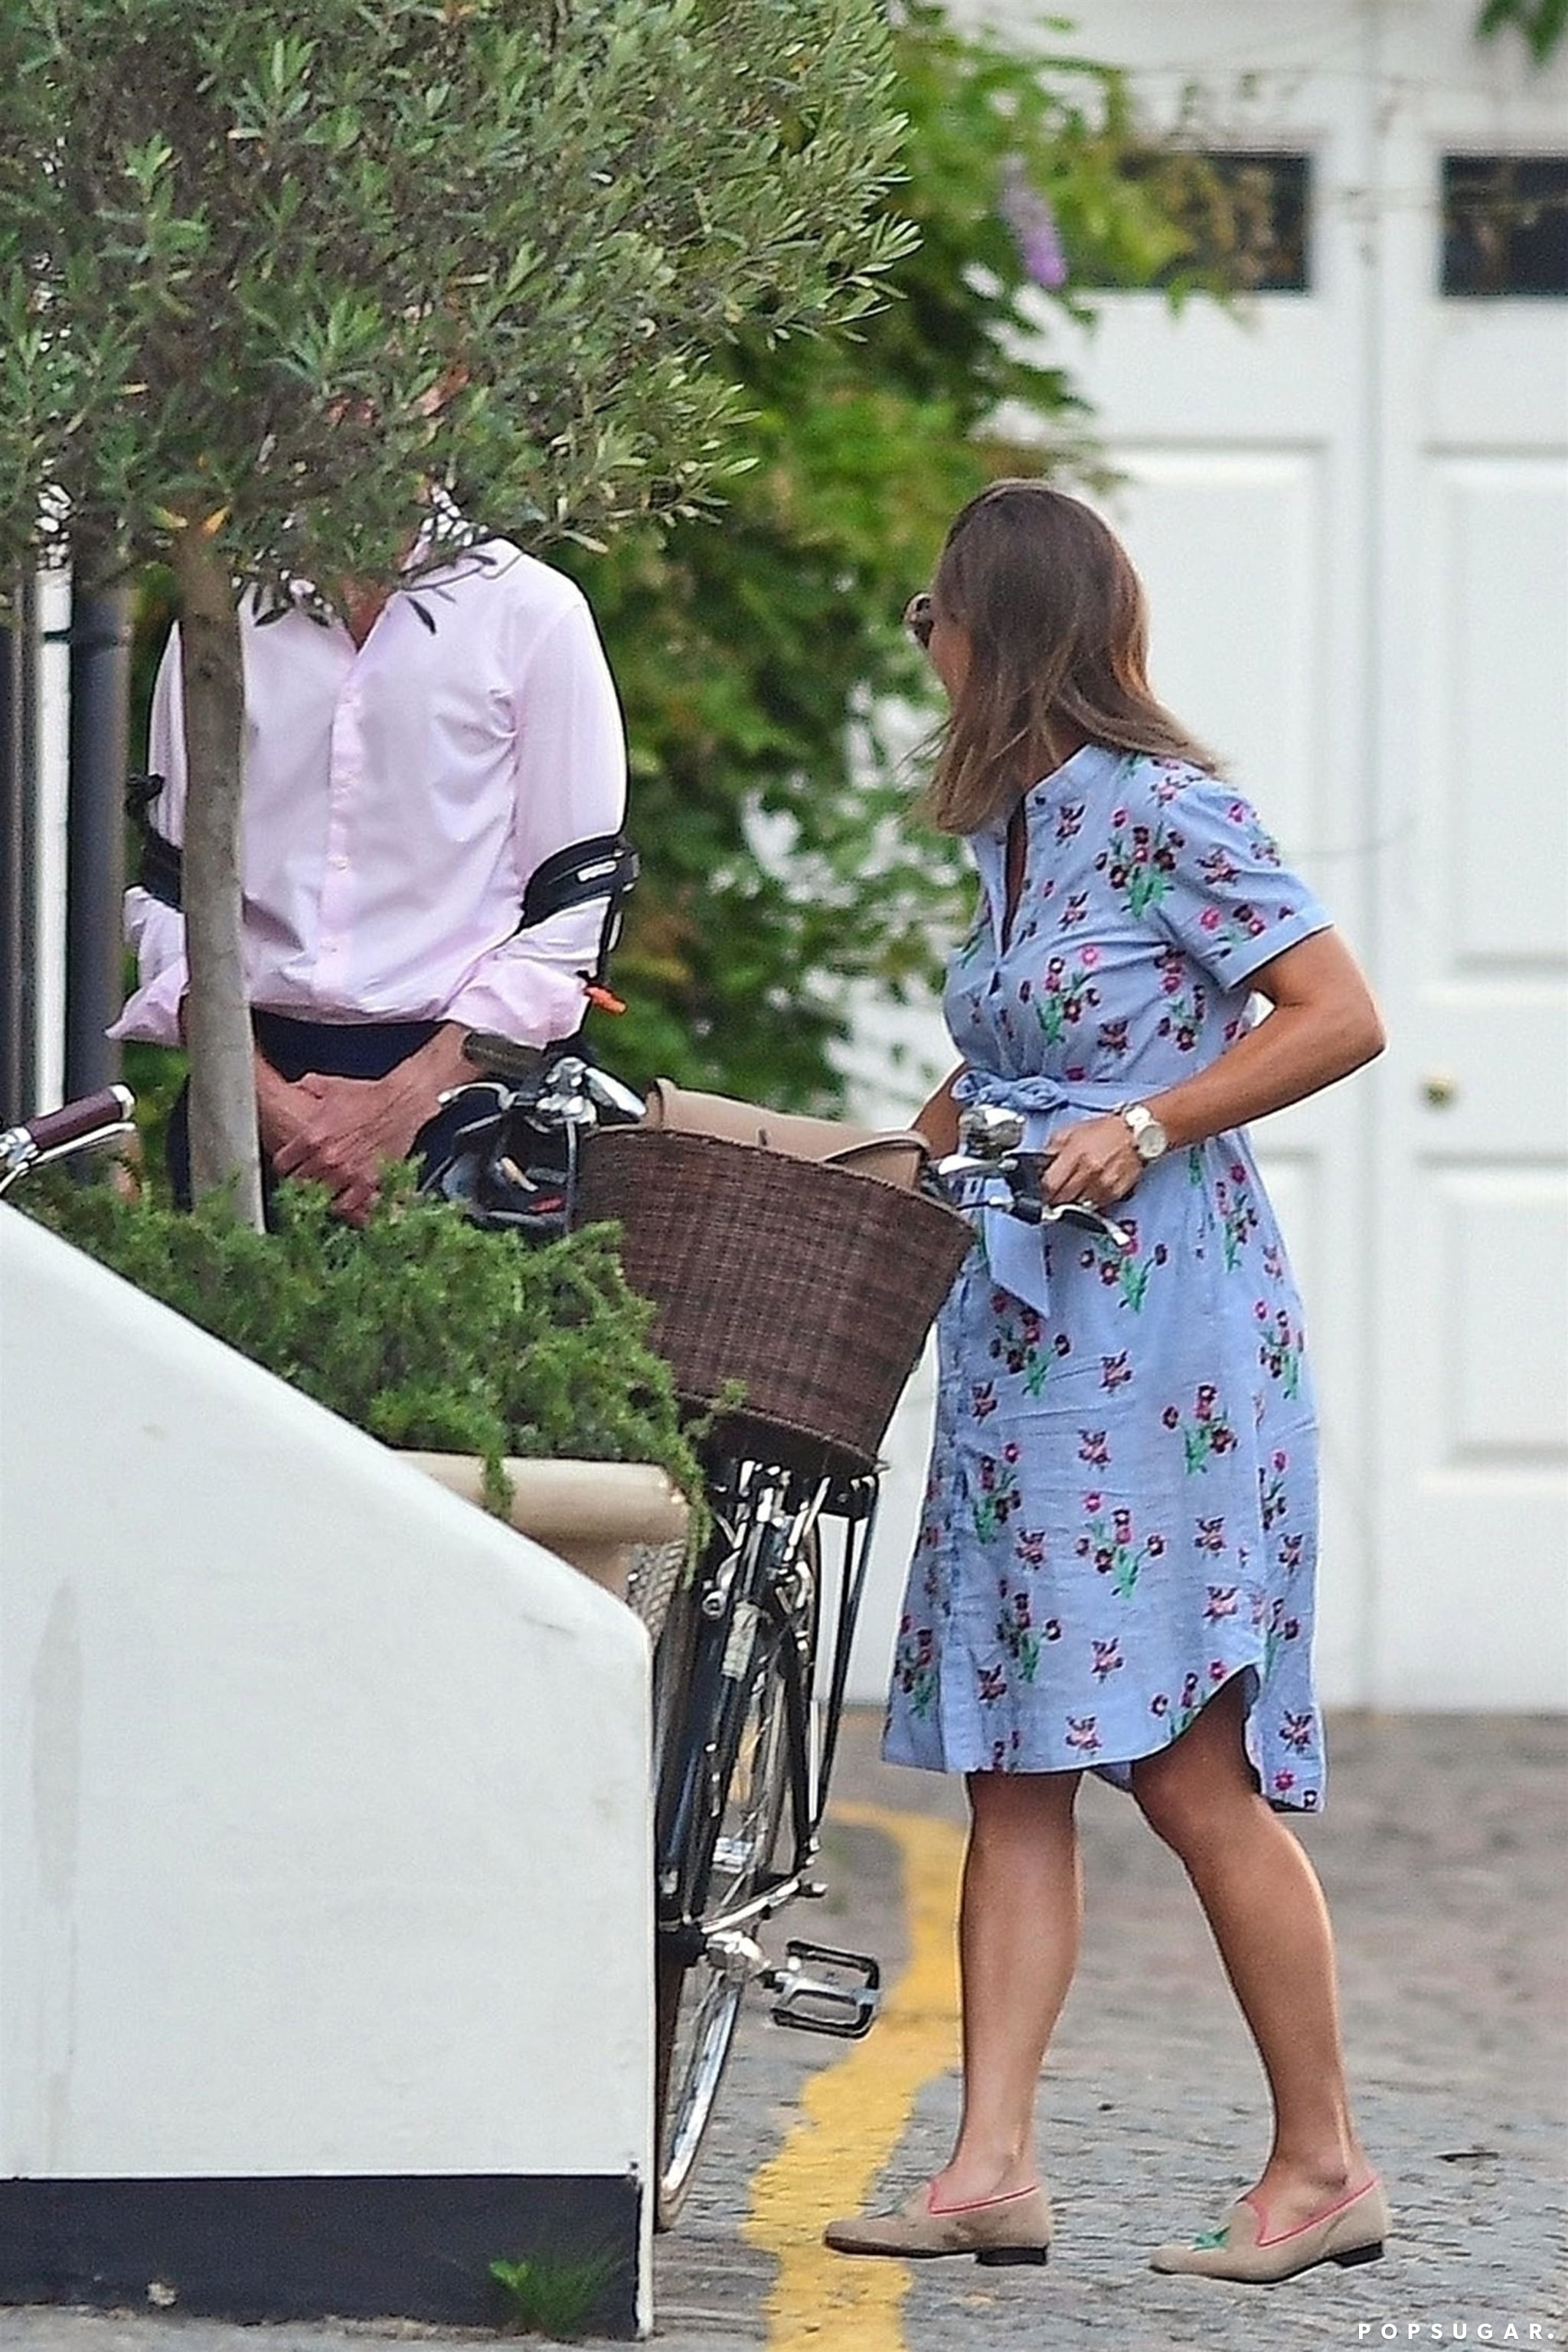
x: 897, y: 1158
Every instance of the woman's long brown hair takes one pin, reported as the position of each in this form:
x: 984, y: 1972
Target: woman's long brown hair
x: 1059, y: 634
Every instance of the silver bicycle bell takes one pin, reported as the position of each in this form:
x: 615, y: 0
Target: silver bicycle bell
x: 986, y: 1132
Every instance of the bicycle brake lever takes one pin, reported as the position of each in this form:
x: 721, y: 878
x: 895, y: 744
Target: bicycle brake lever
x: 609, y: 1094
x: 1032, y: 1165
x: 1084, y: 1212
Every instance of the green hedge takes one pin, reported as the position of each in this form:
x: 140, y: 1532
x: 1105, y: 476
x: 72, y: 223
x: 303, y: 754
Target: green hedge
x: 420, y: 1328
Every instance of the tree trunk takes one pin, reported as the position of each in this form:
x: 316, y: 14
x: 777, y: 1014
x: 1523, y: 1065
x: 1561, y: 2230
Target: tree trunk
x: 225, y: 1151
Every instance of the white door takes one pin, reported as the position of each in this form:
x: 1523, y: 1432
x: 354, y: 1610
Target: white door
x: 1342, y: 503
x: 1471, y: 1371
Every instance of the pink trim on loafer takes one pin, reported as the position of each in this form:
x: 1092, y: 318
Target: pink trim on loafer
x: 1283, y: 2237
x: 995, y: 2229
x: 979, y: 2204
x: 1241, y: 2248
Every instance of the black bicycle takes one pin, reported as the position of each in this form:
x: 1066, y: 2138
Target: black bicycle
x: 751, y: 1647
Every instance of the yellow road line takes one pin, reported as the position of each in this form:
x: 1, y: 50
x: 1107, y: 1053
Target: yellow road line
x: 853, y: 2114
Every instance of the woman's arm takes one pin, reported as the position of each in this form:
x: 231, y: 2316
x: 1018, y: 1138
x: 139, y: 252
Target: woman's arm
x: 1324, y: 1024
x: 937, y: 1120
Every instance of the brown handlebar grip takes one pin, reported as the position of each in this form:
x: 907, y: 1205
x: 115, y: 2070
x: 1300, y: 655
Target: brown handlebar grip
x: 110, y: 1106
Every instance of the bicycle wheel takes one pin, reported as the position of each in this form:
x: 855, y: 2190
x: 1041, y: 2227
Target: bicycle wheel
x: 729, y: 1849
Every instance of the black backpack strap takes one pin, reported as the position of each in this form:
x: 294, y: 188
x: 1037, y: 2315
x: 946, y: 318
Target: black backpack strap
x: 603, y: 867
x: 160, y: 870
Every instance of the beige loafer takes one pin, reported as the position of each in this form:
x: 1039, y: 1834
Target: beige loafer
x: 1016, y: 2229
x: 1244, y: 2247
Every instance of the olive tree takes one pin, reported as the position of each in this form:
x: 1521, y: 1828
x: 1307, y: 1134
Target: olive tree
x: 269, y: 270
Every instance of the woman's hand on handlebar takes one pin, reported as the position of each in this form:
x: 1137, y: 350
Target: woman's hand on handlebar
x: 1095, y: 1161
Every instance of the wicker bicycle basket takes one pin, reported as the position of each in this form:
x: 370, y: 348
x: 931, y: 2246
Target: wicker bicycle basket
x: 813, y: 1286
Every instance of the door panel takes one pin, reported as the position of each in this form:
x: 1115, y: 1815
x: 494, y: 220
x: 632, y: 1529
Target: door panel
x: 1472, y: 550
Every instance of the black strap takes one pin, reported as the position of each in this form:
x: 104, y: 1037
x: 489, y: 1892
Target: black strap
x: 607, y: 867
x: 603, y: 867
x: 160, y: 870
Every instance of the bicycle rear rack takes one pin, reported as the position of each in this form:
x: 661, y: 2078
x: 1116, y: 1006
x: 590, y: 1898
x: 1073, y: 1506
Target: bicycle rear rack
x: 843, y: 2001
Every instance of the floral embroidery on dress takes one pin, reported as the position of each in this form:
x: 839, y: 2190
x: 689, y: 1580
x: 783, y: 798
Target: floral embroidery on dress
x: 1112, y: 1548
x: 1233, y: 929
x: 1281, y: 1628
x: 1139, y: 862
x: 1207, y: 1432
x: 1015, y: 1633
x: 999, y: 1496
x: 1019, y: 1342
x: 1238, y: 1213
x: 914, y: 1666
x: 1278, y: 1348
x: 1121, y: 1269
x: 1272, y: 1502
x: 1064, y: 995
x: 1183, y: 1020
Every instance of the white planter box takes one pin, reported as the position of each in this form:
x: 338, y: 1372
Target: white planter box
x: 592, y: 1514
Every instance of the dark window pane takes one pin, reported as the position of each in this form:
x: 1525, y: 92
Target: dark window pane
x: 1245, y: 215
x: 1270, y: 196
x: 1505, y: 225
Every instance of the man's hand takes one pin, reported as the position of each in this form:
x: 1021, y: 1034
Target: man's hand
x: 281, y: 1109
x: 340, y: 1132
x: 348, y: 1130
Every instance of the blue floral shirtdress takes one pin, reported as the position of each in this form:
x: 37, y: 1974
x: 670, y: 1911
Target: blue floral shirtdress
x: 1121, y: 1511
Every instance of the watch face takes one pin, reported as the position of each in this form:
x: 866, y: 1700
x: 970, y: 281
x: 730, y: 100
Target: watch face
x: 1151, y: 1140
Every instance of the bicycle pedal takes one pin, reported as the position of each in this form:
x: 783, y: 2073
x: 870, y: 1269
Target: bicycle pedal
x: 821, y: 1991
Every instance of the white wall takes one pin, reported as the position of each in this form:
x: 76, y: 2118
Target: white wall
x: 306, y: 1864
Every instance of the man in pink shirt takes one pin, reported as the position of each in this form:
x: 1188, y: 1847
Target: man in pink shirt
x: 412, y: 767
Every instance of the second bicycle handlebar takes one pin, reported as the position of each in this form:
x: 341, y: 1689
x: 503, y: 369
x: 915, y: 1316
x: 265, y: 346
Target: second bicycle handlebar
x: 96, y: 1118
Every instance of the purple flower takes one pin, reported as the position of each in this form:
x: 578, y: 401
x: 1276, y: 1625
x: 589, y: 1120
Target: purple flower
x: 1034, y: 225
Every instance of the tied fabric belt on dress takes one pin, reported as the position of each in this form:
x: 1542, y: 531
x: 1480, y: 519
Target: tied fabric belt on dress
x: 1015, y: 1253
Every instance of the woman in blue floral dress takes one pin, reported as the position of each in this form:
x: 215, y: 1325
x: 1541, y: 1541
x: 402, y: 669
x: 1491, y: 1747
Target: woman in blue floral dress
x: 1116, y: 1564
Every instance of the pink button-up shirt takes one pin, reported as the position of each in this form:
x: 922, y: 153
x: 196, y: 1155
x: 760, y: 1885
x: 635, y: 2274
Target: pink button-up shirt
x: 398, y: 799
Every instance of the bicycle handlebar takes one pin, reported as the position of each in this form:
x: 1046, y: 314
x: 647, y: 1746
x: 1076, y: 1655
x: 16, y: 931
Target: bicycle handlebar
x: 1021, y: 1174
x: 96, y: 1118
x: 55, y: 1130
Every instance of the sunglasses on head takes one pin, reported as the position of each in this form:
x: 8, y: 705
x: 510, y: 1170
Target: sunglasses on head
x: 919, y: 619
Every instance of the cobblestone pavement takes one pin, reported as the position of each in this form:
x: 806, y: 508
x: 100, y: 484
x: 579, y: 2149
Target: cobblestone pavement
x: 1442, y: 1853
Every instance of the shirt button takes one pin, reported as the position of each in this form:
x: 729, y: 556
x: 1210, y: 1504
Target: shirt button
x: 341, y: 864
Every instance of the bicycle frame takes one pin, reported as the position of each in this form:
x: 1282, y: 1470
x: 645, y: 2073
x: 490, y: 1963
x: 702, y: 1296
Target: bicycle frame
x: 766, y: 1518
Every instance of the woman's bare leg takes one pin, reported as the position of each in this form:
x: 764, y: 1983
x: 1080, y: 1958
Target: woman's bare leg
x: 1263, y: 1902
x: 1019, y: 1924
